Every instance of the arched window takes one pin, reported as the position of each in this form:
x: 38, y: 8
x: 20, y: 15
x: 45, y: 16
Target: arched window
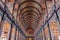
x: 10, y: 0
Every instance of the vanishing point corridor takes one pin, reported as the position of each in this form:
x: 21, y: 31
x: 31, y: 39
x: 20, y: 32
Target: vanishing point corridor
x: 29, y: 19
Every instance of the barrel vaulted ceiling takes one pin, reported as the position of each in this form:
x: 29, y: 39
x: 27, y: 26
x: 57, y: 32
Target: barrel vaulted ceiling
x: 29, y: 13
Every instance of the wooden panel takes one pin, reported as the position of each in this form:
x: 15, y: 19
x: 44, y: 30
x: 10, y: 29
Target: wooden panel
x: 54, y: 29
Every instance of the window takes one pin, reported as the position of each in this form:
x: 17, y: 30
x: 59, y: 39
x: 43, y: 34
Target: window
x: 10, y: 0
x: 49, y: 0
